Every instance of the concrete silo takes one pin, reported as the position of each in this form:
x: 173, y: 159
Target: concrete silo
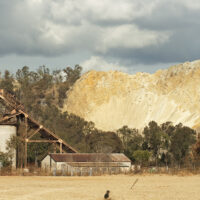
x: 6, y: 131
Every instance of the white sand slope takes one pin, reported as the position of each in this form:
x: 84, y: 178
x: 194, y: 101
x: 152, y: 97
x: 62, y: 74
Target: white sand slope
x: 113, y: 99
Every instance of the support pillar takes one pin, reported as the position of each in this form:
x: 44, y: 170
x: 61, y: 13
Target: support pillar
x: 60, y: 141
x: 54, y: 147
x: 61, y: 147
x: 25, y: 141
x: 25, y: 154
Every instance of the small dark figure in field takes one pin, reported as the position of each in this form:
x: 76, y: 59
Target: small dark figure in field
x: 106, y: 195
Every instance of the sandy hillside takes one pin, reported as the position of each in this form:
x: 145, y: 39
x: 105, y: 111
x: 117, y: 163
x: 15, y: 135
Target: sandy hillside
x: 92, y: 188
x: 135, y: 100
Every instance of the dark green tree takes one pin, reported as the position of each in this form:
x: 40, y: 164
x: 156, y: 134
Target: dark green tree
x: 153, y: 136
x: 141, y: 157
x: 181, y: 142
x: 131, y: 139
x: 71, y: 76
x: 104, y: 142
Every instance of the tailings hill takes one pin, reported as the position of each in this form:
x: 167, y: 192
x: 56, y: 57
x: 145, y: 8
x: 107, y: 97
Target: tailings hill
x: 113, y: 99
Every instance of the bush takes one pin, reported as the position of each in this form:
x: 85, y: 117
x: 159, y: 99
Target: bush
x: 5, y: 159
x: 141, y: 156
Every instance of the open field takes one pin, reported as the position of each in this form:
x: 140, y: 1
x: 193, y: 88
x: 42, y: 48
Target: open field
x: 154, y: 187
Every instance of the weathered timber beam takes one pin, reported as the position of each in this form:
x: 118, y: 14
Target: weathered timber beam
x: 25, y: 114
x: 9, y: 117
x: 50, y: 133
x: 43, y: 141
x: 8, y: 123
x: 7, y: 101
x: 4, y: 118
x: 10, y: 99
x: 1, y: 96
x: 35, y: 132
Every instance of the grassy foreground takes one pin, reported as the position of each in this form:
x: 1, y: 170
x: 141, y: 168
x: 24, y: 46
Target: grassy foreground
x: 149, y: 187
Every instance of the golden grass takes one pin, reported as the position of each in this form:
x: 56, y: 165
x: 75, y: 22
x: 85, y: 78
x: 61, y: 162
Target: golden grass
x: 149, y: 187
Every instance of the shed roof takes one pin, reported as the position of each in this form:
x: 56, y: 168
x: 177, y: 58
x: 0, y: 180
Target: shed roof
x: 97, y: 164
x: 89, y: 157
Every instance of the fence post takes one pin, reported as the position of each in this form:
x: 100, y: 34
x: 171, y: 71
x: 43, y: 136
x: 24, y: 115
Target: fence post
x: 90, y: 172
x: 54, y: 171
x: 81, y: 171
x: 1, y: 165
x: 72, y: 171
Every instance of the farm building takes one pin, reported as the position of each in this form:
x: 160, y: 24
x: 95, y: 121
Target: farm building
x: 86, y: 163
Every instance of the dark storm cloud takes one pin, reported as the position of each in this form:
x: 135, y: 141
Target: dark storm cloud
x: 181, y: 22
x: 184, y: 43
x: 170, y: 16
x: 130, y: 31
x: 182, y: 46
x: 23, y: 31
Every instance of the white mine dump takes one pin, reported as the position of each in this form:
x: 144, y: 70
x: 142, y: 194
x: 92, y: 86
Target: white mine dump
x: 114, y: 99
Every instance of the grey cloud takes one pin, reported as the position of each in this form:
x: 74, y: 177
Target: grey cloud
x: 23, y: 30
x: 183, y: 44
x: 169, y: 15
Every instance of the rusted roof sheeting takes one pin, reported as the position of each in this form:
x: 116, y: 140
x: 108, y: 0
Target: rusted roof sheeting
x: 90, y: 157
x: 99, y: 164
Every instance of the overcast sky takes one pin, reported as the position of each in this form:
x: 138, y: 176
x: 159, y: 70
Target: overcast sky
x: 126, y: 35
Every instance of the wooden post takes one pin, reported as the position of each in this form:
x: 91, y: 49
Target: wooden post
x: 21, y: 155
x: 25, y: 141
x: 35, y: 132
x: 60, y: 147
x: 60, y: 141
x: 54, y: 147
x: 25, y: 154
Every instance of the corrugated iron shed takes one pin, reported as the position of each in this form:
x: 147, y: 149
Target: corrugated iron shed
x: 89, y: 157
x: 96, y: 164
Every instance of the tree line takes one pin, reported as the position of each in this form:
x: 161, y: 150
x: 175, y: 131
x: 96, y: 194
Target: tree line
x: 162, y: 145
x: 43, y: 93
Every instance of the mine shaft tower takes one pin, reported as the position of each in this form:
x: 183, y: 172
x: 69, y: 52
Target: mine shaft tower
x: 15, y: 114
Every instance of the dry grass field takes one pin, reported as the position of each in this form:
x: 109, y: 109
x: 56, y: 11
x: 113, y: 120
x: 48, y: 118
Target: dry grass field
x: 149, y: 187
